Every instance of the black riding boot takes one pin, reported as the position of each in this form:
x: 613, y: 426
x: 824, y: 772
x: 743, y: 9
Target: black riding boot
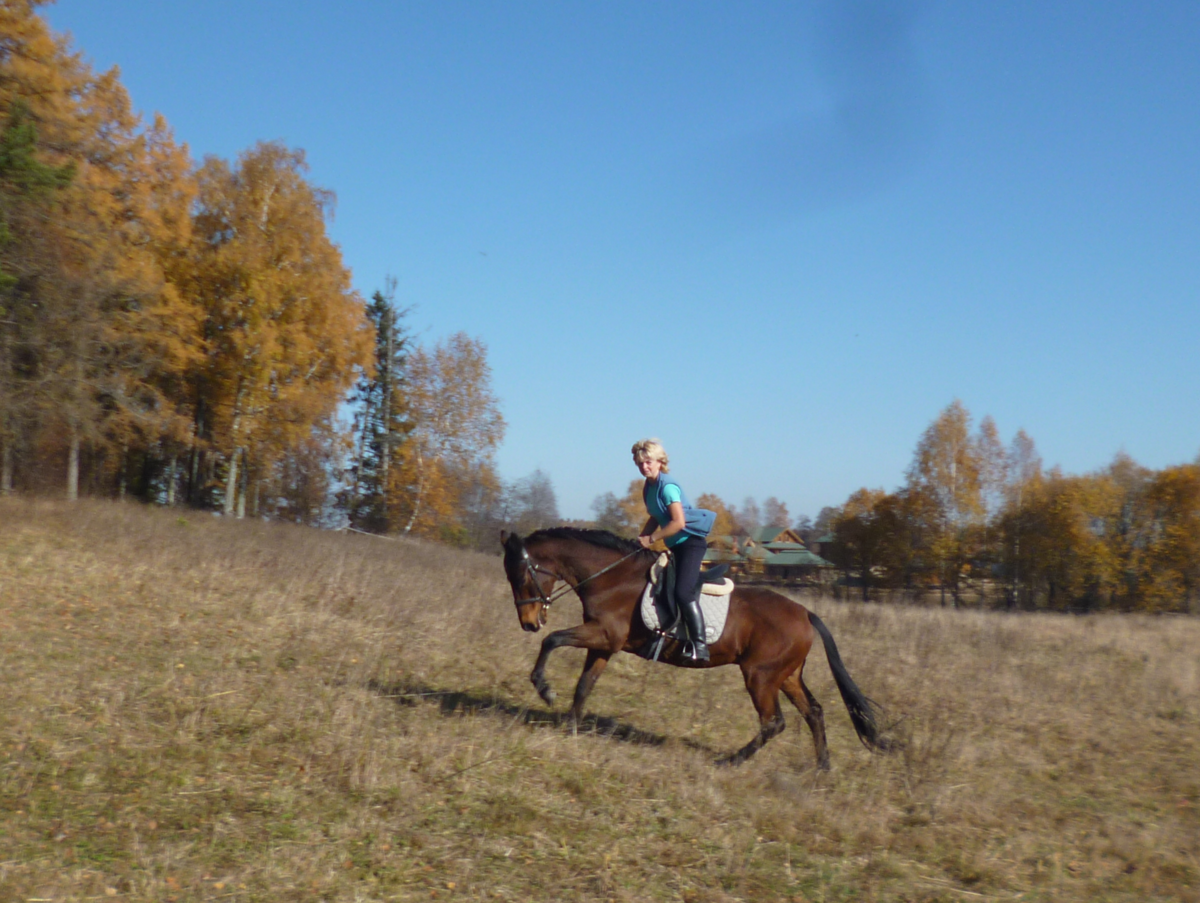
x: 696, y: 649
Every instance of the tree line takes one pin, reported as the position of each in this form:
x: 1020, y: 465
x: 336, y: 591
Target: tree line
x: 188, y: 333
x: 983, y: 522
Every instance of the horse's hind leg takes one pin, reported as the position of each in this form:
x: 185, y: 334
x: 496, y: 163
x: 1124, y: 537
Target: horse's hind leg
x: 763, y: 687
x: 796, y: 690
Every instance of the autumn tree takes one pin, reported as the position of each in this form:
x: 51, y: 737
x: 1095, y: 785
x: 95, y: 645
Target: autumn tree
x: 871, y: 538
x: 825, y: 518
x: 1023, y: 474
x: 134, y: 335
x: 1169, y: 568
x: 775, y: 514
x: 457, y: 427
x: 748, y: 517
x: 1129, y: 530
x: 606, y: 509
x: 482, y: 509
x: 97, y: 306
x: 169, y: 323
x: 623, y: 515
x: 532, y: 503
x: 724, y: 524
x: 1125, y: 537
x: 1071, y: 562
x: 284, y: 331
x: 945, y: 482
x: 301, y: 483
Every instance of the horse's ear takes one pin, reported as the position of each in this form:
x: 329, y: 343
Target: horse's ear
x: 503, y: 537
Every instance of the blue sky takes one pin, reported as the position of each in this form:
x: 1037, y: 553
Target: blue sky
x: 779, y: 236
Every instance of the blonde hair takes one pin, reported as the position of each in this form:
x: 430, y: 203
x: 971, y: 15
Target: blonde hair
x: 651, y: 450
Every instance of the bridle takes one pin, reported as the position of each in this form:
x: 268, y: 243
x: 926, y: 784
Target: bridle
x: 531, y: 568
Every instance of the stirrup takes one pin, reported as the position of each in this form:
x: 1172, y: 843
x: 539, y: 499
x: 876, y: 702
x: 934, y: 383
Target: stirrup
x: 695, y: 651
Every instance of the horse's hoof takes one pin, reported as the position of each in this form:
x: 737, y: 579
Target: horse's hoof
x: 548, y: 695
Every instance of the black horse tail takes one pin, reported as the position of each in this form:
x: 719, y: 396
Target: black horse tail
x: 864, y: 711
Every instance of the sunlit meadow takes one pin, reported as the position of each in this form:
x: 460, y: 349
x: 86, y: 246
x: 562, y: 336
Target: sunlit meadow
x: 200, y: 709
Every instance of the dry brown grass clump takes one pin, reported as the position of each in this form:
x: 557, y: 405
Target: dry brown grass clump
x: 196, y: 709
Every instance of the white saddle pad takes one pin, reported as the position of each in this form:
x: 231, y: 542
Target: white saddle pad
x: 714, y: 603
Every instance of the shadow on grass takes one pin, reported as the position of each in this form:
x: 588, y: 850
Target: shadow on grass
x: 451, y: 702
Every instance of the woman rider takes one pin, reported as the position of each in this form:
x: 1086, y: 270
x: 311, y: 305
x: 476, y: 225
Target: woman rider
x: 683, y: 529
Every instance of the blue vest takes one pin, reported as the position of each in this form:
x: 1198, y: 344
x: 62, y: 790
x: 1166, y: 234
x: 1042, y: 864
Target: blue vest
x: 696, y: 521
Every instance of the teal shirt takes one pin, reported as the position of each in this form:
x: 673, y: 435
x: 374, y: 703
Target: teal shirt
x: 659, y: 495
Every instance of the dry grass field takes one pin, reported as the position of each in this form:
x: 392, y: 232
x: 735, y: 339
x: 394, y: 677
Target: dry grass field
x: 194, y: 709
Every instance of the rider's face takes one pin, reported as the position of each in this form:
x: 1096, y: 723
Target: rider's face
x: 649, y: 468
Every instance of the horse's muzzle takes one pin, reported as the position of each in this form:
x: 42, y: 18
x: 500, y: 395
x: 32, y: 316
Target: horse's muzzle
x: 530, y: 628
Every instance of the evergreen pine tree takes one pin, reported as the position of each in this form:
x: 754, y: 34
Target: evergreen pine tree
x: 26, y: 185
x: 383, y: 421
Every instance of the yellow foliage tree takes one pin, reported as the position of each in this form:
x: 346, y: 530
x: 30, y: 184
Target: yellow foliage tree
x: 285, y: 334
x: 1170, y: 567
x: 94, y: 302
x: 456, y: 428
x: 945, y: 485
x: 724, y: 525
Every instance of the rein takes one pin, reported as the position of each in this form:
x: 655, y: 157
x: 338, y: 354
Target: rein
x: 532, y: 568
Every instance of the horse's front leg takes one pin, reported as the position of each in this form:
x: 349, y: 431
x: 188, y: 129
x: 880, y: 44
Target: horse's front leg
x: 597, y: 660
x: 589, y: 635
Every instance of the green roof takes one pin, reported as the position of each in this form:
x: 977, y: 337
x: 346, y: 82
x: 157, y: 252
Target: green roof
x: 765, y: 534
x: 721, y: 555
x: 798, y: 558
x: 783, y: 546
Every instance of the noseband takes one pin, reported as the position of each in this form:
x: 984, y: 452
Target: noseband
x: 530, y: 570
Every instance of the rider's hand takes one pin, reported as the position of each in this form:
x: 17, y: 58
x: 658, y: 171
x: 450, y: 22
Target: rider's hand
x: 646, y: 541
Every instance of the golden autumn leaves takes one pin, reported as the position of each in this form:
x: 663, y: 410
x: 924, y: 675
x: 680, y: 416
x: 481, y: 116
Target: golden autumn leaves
x: 170, y: 330
x: 282, y: 330
x: 980, y: 521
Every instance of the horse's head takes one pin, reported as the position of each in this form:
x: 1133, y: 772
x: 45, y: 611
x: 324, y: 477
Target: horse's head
x: 531, y: 587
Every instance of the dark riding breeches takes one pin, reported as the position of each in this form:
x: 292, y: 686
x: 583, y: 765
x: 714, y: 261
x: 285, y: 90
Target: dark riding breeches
x: 689, y: 555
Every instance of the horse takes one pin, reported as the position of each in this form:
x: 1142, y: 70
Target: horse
x: 766, y: 634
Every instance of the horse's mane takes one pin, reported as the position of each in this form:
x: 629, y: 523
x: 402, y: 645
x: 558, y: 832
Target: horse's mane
x: 601, y: 538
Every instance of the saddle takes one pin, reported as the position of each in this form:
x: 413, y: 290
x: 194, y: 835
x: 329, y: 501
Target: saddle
x: 659, y: 612
x: 664, y: 575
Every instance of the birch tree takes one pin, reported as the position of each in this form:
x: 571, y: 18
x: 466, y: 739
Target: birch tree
x: 457, y: 427
x: 1023, y: 472
x: 945, y: 480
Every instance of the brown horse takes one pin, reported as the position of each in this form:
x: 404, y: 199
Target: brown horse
x: 766, y: 634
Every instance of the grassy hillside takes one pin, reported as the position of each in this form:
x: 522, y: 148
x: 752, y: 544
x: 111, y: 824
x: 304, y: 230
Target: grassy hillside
x: 193, y: 709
